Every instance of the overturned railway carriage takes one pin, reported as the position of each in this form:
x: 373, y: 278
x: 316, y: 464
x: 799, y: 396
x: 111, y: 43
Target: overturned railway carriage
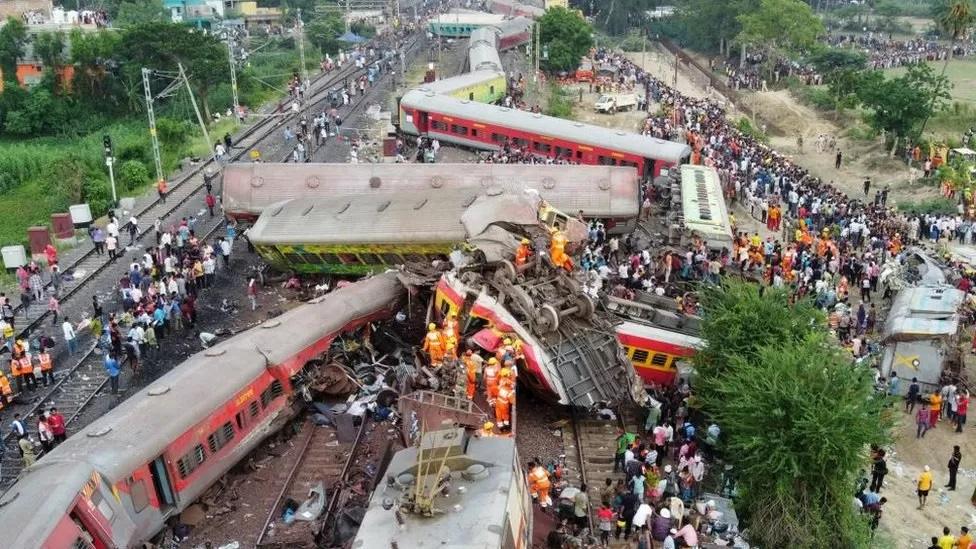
x: 363, y: 234
x: 460, y: 24
x: 116, y: 483
x: 605, y: 192
x: 490, y: 127
x: 572, y: 356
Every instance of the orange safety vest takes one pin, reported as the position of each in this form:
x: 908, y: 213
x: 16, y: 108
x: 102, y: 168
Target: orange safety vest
x: 15, y: 367
x: 434, y: 344
x: 491, y: 374
x: 451, y: 328
x: 5, y: 385
x: 521, y: 255
x: 472, y: 370
x: 45, y: 360
x: 539, y: 478
x: 25, y: 365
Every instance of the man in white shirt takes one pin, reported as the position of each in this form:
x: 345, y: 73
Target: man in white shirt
x: 69, y: 335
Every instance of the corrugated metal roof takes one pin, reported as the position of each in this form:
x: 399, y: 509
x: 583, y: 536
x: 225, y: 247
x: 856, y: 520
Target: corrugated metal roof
x: 426, y: 99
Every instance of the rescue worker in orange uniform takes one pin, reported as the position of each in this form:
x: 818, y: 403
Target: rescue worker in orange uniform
x: 491, y: 380
x: 557, y: 250
x: 471, y: 369
x: 450, y: 347
x: 47, y: 366
x: 539, y: 484
x: 6, y: 392
x: 451, y: 328
x: 434, y: 345
x: 523, y: 253
x: 504, y: 401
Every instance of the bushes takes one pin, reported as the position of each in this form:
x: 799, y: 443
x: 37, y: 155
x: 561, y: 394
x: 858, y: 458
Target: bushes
x: 560, y: 104
x: 132, y: 175
x: 938, y: 205
x: 745, y: 126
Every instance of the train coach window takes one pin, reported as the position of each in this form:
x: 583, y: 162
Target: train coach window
x: 392, y: 259
x: 498, y: 138
x: 438, y: 125
x: 415, y: 258
x: 138, y: 494
x: 659, y: 359
x: 295, y: 258
x: 350, y: 259
x: 474, y: 132
x: 459, y: 129
x: 521, y: 142
x: 640, y: 355
x: 563, y: 152
x: 219, y: 438
x: 471, y: 96
x: 253, y: 408
x: 541, y: 147
x: 189, y: 462
x: 606, y: 161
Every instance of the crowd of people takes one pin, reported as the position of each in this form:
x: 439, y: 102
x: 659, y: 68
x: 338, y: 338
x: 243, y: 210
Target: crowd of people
x: 886, y: 52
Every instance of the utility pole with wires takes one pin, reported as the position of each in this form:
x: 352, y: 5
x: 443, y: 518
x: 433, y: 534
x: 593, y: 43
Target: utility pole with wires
x: 196, y: 109
x: 536, y: 52
x: 233, y: 76
x: 153, y: 138
x: 301, y: 47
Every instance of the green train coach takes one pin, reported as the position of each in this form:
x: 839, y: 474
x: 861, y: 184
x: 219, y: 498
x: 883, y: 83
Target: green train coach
x: 359, y: 235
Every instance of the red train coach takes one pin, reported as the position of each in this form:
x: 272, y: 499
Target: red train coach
x: 117, y: 482
x: 489, y: 127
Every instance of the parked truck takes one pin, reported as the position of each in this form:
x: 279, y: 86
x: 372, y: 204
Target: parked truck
x: 613, y: 102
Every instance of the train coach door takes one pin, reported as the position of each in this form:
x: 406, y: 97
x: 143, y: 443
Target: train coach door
x: 162, y: 484
x: 421, y: 121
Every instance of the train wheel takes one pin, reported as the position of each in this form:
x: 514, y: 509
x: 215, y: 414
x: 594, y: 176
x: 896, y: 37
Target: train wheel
x: 548, y: 319
x: 586, y: 306
x: 505, y: 272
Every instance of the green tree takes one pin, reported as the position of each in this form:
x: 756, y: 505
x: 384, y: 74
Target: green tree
x: 901, y: 105
x: 323, y: 32
x: 49, y: 46
x: 137, y: 12
x: 828, y: 61
x: 93, y: 55
x: 619, y: 16
x: 713, y: 25
x: 779, y: 27
x: 798, y: 415
x: 13, y: 38
x: 565, y: 38
x: 953, y: 17
x: 161, y: 46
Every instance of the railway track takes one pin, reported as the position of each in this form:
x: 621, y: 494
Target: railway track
x: 77, y: 385
x: 71, y: 393
x: 321, y: 459
x: 591, y: 444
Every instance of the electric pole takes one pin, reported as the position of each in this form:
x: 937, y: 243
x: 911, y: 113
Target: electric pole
x: 536, y: 52
x: 196, y: 109
x: 301, y: 47
x: 110, y: 161
x: 233, y: 77
x: 152, y: 124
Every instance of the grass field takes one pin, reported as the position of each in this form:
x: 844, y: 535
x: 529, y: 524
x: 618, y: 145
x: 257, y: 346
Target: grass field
x: 962, y: 74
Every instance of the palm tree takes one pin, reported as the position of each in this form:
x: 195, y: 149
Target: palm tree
x: 954, y: 17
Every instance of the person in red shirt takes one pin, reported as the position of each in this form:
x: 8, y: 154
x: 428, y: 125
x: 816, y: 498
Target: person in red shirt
x: 55, y: 421
x: 962, y: 407
x: 211, y: 202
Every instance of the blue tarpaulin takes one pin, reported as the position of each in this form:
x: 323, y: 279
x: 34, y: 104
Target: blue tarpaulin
x: 352, y: 38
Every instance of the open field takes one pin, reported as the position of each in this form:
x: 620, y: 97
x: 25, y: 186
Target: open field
x: 961, y: 72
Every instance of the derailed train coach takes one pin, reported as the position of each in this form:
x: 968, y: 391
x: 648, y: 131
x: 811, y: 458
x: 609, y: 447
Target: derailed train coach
x: 116, y: 482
